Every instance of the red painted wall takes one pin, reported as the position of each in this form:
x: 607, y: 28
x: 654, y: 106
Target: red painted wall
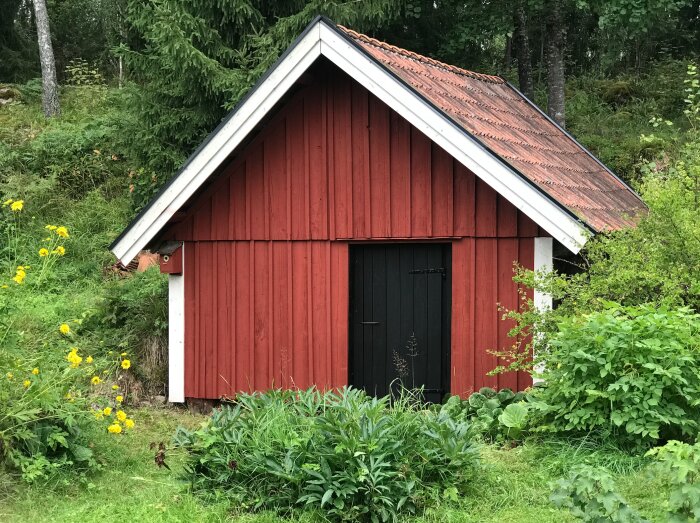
x: 266, y: 244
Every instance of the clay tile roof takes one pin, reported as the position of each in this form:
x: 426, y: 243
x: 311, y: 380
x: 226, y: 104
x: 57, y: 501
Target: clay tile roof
x: 507, y: 123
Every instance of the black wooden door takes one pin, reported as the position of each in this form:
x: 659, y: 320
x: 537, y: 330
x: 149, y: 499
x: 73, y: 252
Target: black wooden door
x: 400, y: 318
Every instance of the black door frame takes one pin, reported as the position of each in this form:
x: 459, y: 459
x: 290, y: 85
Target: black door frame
x: 446, y: 349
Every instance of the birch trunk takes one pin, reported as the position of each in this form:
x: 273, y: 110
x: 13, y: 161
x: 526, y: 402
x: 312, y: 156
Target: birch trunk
x: 48, y: 64
x: 555, y: 63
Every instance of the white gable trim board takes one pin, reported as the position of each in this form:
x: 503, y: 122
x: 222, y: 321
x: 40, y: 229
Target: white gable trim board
x: 220, y: 145
x: 323, y: 39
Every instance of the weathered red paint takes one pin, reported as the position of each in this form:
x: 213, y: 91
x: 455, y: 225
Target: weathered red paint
x: 266, y: 256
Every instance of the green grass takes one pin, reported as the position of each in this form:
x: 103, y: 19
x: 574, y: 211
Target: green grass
x: 513, y: 486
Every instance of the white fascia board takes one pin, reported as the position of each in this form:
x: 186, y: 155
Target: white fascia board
x: 221, y: 145
x: 436, y: 126
x: 176, y: 335
x: 325, y: 40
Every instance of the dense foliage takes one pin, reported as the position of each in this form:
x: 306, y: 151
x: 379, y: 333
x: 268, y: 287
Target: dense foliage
x: 48, y: 397
x: 494, y: 415
x: 680, y: 462
x: 591, y: 496
x: 358, y: 458
x: 634, y: 371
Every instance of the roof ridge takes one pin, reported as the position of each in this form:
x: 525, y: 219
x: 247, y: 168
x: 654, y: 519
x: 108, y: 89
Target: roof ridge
x: 420, y: 58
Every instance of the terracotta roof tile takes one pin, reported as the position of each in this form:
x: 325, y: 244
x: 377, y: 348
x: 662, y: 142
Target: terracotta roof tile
x: 496, y: 114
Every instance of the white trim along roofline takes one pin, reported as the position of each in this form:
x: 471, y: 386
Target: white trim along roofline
x: 322, y: 38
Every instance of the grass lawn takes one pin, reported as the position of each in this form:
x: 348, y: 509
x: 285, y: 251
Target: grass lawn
x: 512, y: 488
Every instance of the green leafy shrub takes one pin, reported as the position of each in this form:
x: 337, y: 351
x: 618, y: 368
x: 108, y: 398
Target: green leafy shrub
x: 354, y: 457
x: 52, y: 387
x: 589, y: 493
x: 632, y: 370
x: 133, y: 316
x: 680, y: 463
x: 485, y: 410
x: 514, y: 419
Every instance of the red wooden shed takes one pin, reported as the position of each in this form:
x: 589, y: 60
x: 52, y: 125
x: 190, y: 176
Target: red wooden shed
x: 356, y: 219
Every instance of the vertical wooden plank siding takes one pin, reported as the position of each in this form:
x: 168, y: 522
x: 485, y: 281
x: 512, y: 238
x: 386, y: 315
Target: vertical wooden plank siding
x: 225, y: 359
x: 266, y: 280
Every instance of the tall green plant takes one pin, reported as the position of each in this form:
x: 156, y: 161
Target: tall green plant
x: 680, y: 463
x: 632, y: 371
x: 589, y: 494
x: 352, y: 457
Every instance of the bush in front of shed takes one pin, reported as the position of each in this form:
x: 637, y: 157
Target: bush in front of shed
x: 353, y: 457
x: 633, y: 372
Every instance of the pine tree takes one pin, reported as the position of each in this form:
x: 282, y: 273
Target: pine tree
x: 196, y: 59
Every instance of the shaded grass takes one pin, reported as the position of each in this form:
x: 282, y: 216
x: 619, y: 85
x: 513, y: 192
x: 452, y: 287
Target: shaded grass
x: 513, y: 485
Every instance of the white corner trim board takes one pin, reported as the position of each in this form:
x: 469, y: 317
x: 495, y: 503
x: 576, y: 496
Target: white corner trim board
x: 326, y: 40
x: 544, y: 263
x: 176, y: 336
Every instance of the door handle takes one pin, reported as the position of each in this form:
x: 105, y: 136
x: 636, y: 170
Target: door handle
x: 369, y: 323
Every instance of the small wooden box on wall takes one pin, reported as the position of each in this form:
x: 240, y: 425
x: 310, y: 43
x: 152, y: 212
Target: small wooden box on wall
x: 171, y: 258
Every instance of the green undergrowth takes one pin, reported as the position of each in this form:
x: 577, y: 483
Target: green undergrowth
x: 512, y: 485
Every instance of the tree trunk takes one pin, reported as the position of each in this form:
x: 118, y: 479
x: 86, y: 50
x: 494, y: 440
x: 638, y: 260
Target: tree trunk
x: 508, y: 54
x: 555, y: 62
x: 522, y: 51
x: 48, y: 64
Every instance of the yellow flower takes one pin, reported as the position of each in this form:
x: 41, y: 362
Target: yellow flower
x: 10, y: 375
x: 74, y: 358
x: 121, y: 415
x: 35, y: 371
x: 88, y: 359
x: 115, y: 387
x: 26, y: 383
x: 114, y: 428
x: 19, y: 276
x: 129, y: 423
x: 126, y: 364
x: 64, y: 328
x: 69, y: 396
x: 7, y: 202
x: 107, y: 411
x: 43, y: 252
x: 62, y: 232
x: 95, y: 380
x: 51, y: 227
x: 123, y: 353
x: 17, y: 206
x: 60, y: 250
x: 119, y: 399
